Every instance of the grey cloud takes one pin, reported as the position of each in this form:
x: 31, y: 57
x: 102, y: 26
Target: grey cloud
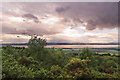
x: 103, y: 15
x: 31, y: 16
x: 9, y: 30
x: 62, y: 9
x: 91, y: 25
x: 78, y: 20
x: 32, y: 28
x: 97, y: 15
x: 23, y: 33
x: 105, y: 21
x: 74, y: 22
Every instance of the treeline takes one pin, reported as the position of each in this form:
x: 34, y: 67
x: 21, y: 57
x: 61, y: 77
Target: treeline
x: 39, y: 62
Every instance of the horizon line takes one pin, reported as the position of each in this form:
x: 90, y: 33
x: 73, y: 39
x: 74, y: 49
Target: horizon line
x: 51, y: 43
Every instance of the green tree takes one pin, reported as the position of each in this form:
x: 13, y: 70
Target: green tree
x: 54, y: 57
x: 36, y: 48
x: 86, y: 52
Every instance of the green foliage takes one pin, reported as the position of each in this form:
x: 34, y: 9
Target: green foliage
x: 36, y: 47
x: 86, y: 52
x: 11, y: 68
x: 110, y: 63
x: 36, y: 61
x: 26, y: 61
x: 97, y: 74
x: 77, y: 68
x: 46, y: 57
x: 36, y: 42
x: 105, y: 62
x: 109, y: 70
x: 42, y: 73
x: 56, y: 72
x: 9, y: 49
x: 55, y: 57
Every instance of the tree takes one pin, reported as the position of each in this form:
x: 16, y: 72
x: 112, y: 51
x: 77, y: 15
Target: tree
x: 36, y: 47
x: 37, y: 42
x: 86, y: 52
x: 54, y: 57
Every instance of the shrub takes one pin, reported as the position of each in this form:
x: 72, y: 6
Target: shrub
x: 42, y: 73
x: 56, y: 72
x: 77, y: 68
x: 11, y: 68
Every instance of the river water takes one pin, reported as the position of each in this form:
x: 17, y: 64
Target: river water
x: 74, y: 46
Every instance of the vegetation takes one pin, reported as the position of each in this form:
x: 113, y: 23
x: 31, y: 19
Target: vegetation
x: 36, y: 61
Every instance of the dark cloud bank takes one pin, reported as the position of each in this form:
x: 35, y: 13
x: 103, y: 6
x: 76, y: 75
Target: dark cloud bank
x: 97, y: 14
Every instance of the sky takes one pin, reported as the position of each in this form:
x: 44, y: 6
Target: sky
x: 60, y: 22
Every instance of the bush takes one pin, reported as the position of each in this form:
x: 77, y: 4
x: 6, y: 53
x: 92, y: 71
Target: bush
x: 42, y: 73
x: 96, y: 74
x: 11, y: 68
x: 77, y: 68
x: 56, y: 72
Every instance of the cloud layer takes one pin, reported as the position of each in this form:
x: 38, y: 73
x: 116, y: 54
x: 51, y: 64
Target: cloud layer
x: 53, y: 19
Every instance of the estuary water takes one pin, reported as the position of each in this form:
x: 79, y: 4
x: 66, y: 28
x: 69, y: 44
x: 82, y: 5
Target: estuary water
x: 74, y: 46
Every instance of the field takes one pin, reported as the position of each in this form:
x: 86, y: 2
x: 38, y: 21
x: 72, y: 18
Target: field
x: 95, y: 51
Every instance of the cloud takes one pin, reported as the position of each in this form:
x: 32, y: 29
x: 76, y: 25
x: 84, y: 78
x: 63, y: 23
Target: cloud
x: 108, y: 20
x: 55, y: 18
x: 30, y: 28
x: 13, y: 38
x: 91, y: 25
x: 97, y: 38
x: 62, y: 9
x: 30, y: 16
x: 75, y: 22
x: 98, y: 15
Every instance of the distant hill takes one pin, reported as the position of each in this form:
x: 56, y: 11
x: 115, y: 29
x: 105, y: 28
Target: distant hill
x: 66, y: 44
